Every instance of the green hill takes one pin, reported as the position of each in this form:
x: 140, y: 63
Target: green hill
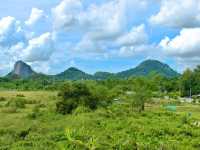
x: 147, y: 67
x: 73, y: 74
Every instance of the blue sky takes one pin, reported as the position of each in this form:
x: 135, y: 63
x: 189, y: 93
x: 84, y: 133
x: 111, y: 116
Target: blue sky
x: 98, y: 35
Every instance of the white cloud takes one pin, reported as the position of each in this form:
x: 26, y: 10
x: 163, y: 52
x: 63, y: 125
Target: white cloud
x: 133, y: 42
x: 127, y: 51
x: 66, y: 13
x: 39, y: 49
x: 185, y: 47
x: 145, y: 50
x: 37, y: 15
x: 187, y: 44
x: 41, y: 67
x: 99, y: 27
x: 101, y: 22
x: 178, y: 13
x: 106, y: 21
x: 10, y: 32
x: 88, y: 45
x: 136, y: 36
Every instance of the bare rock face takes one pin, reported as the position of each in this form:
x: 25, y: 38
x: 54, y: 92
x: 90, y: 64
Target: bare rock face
x: 22, y: 70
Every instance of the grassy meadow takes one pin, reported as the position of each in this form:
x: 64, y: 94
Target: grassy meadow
x: 28, y: 120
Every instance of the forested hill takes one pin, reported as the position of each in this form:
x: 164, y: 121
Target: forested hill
x: 22, y: 70
x: 147, y: 67
x: 73, y: 74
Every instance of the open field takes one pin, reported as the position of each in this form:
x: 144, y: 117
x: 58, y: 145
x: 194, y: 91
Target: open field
x: 37, y: 126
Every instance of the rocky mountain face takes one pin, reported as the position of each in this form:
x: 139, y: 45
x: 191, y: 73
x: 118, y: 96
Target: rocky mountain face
x: 22, y: 70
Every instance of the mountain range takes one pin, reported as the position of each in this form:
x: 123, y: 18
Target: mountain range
x: 23, y: 70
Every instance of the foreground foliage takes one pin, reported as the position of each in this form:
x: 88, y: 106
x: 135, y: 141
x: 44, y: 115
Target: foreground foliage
x: 117, y: 127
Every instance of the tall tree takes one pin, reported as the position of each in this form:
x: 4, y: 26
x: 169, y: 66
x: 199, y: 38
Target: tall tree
x: 142, y: 93
x: 187, y: 83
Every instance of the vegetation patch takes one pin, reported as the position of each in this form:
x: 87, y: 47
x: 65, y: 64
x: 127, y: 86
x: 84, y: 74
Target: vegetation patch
x: 17, y: 103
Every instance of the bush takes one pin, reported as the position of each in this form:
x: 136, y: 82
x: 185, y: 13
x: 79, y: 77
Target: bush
x: 2, y: 99
x: 16, y: 103
x: 66, y: 106
x: 73, y: 95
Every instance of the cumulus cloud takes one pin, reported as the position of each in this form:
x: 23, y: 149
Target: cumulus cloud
x: 86, y: 44
x: 187, y: 44
x: 66, y: 13
x: 106, y: 25
x: 127, y: 51
x: 101, y: 22
x: 126, y: 45
x: 133, y: 42
x: 10, y: 32
x: 16, y: 42
x: 178, y: 13
x: 36, y: 16
x: 145, y: 50
x: 39, y: 48
x: 185, y: 47
x: 136, y: 36
x: 100, y: 27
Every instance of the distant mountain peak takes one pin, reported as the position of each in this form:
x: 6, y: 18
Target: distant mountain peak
x: 22, y: 70
x: 73, y: 69
x: 73, y: 73
x: 149, y: 66
x: 152, y: 61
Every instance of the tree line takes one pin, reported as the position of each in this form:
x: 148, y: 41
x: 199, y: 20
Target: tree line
x: 186, y: 85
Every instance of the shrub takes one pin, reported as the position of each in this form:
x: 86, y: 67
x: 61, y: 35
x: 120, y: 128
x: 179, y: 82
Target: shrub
x: 16, y: 103
x: 2, y: 99
x: 73, y: 95
x: 20, y: 95
x: 66, y: 106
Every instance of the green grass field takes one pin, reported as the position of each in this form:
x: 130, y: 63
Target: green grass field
x: 34, y: 124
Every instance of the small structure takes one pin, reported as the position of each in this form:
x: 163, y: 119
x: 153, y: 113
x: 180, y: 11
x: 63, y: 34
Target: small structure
x: 170, y: 108
x: 186, y: 99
